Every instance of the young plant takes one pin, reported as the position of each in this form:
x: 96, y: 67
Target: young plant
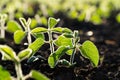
x: 2, y: 25
x: 19, y: 33
x: 67, y: 42
x: 9, y: 54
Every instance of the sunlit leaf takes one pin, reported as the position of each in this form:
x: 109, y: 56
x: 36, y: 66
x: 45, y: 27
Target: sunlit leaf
x: 39, y: 30
x: 73, y: 14
x: 81, y: 17
x: 38, y: 35
x: 13, y: 26
x: 54, y: 57
x: 7, y: 53
x: 63, y: 41
x: 61, y: 30
x: 24, y: 54
x: 36, y: 45
x: 118, y: 18
x: 4, y: 75
x: 38, y: 76
x: 43, y: 20
x: 52, y: 22
x: 19, y: 36
x: 90, y: 51
x: 96, y: 19
x: 33, y: 23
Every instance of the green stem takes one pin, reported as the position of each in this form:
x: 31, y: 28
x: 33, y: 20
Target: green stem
x: 72, y: 56
x: 2, y: 22
x: 74, y: 51
x: 51, y: 41
x: 19, y: 71
x: 29, y: 36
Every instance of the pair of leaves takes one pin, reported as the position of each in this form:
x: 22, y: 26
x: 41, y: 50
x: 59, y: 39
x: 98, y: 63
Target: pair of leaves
x: 9, y: 54
x: 54, y: 57
x: 51, y: 24
x: 14, y: 27
x: 63, y: 41
x: 5, y: 75
x: 87, y: 49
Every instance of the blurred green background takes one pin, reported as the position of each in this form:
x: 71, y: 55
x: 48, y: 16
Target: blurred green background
x: 94, y: 11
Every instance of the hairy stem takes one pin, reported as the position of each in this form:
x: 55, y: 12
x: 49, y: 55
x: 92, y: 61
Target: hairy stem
x: 51, y: 41
x: 2, y: 22
x: 29, y: 35
x: 74, y: 51
x: 19, y: 71
x: 72, y: 56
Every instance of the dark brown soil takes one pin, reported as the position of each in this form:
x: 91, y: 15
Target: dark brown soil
x: 105, y: 36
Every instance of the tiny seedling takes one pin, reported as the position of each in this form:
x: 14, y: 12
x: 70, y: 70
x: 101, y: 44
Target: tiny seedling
x: 9, y: 54
x: 19, y: 33
x: 67, y: 42
x: 2, y: 25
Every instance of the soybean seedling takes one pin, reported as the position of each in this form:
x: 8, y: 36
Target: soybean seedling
x: 19, y: 32
x: 9, y: 54
x: 67, y: 42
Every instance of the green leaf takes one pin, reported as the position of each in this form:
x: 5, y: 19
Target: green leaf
x: 38, y: 76
x: 33, y: 23
x: 43, y: 20
x: 90, y: 51
x: 58, y: 29
x: 52, y: 22
x: 96, y: 19
x: 13, y: 26
x: 61, y: 30
x: 7, y: 53
x: 4, y: 75
x: 39, y: 30
x: 63, y: 41
x: 19, y: 35
x: 39, y: 35
x: 66, y: 30
x: 118, y: 18
x: 54, y: 57
x: 36, y: 45
x: 24, y: 54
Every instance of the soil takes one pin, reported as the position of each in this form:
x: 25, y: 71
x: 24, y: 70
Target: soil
x: 105, y: 36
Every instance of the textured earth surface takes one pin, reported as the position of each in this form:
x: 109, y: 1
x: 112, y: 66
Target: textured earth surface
x: 105, y: 36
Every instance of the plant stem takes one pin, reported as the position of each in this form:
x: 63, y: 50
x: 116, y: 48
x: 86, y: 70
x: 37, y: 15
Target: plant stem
x: 19, y: 71
x: 29, y: 35
x: 74, y: 51
x: 51, y: 41
x: 2, y: 22
x: 72, y: 56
